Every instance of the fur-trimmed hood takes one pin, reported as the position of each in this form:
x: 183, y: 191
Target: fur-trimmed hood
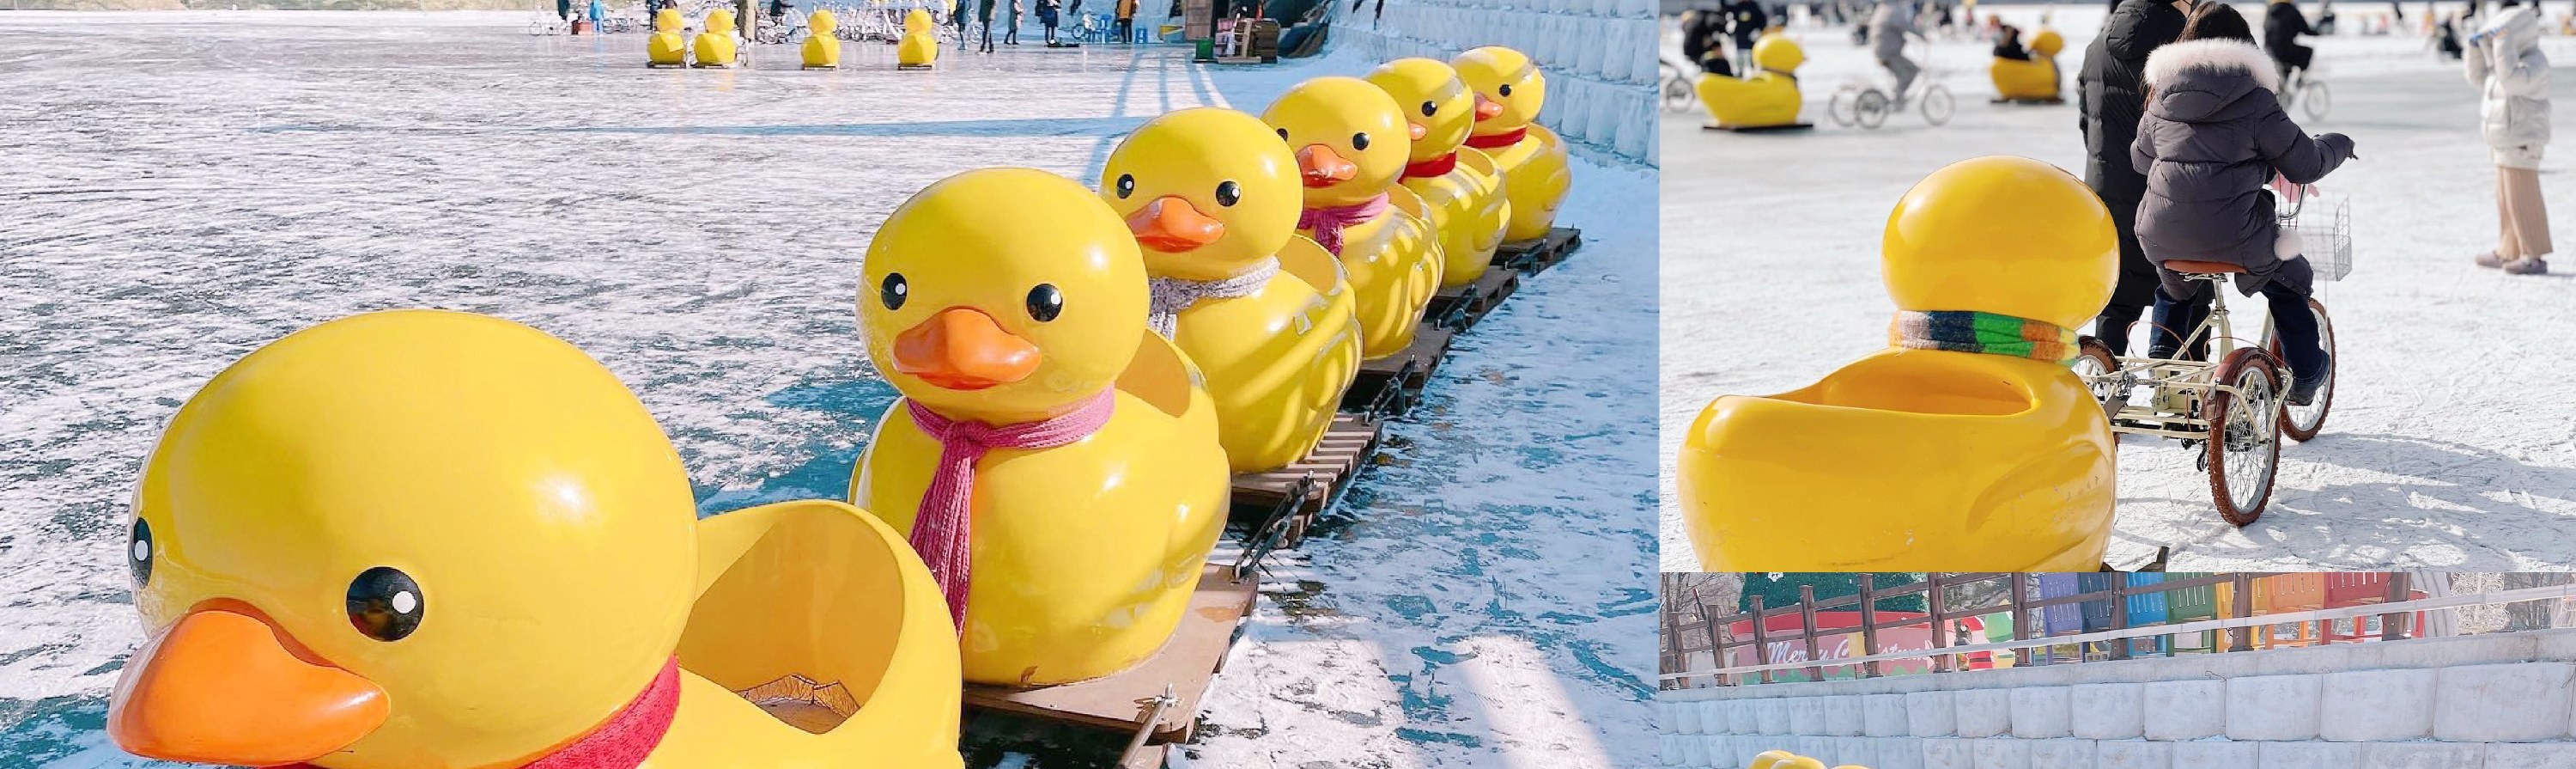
x: 2519, y: 26
x: 2196, y: 81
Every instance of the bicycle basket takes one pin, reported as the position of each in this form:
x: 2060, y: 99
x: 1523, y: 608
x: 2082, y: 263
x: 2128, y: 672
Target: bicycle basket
x: 2324, y: 227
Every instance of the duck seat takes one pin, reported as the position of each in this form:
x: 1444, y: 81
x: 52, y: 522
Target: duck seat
x: 1766, y: 97
x: 1993, y: 452
x: 861, y: 652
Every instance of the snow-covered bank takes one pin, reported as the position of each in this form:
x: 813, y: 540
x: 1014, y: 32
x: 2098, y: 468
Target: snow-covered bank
x: 2453, y: 437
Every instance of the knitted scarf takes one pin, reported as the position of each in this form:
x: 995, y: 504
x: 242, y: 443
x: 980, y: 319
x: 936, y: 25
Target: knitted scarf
x: 944, y: 525
x: 1985, y: 332
x: 1498, y: 141
x: 1328, y: 221
x: 1172, y: 295
x: 625, y: 739
x: 1434, y: 167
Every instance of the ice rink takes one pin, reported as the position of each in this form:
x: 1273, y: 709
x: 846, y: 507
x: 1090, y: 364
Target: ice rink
x: 184, y: 186
x: 2452, y: 440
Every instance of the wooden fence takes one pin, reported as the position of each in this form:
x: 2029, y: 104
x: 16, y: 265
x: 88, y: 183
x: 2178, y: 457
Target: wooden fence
x: 2104, y: 601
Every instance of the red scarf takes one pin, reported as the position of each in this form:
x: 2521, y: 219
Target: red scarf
x: 1498, y: 141
x: 1438, y: 166
x: 625, y: 739
x: 944, y: 523
x: 1329, y: 221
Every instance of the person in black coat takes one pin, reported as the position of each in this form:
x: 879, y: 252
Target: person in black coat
x: 2114, y: 98
x: 2282, y: 26
x: 1746, y: 20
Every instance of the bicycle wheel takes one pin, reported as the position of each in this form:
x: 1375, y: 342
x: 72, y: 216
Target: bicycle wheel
x: 2313, y: 100
x: 1677, y: 90
x: 2094, y: 362
x: 2243, y: 444
x: 1937, y: 104
x: 1840, y: 108
x: 1870, y: 108
x: 2301, y: 423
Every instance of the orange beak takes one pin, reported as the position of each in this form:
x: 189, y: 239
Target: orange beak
x: 1487, y: 109
x: 961, y: 348
x: 1323, y: 167
x: 1171, y: 225
x: 224, y: 686
x: 1418, y: 130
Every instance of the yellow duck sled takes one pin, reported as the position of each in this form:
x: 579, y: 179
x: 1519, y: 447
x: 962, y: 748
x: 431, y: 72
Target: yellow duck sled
x: 1350, y: 143
x: 424, y: 538
x: 1213, y: 197
x: 1056, y: 463
x: 2036, y: 80
x: 1460, y: 187
x: 1532, y: 159
x: 1925, y: 456
x: 821, y: 49
x: 920, y: 47
x: 665, y: 47
x: 1765, y: 98
x: 715, y: 45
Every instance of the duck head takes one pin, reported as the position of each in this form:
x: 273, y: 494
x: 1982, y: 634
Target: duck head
x: 720, y: 20
x: 917, y: 22
x: 820, y: 24
x: 1002, y: 295
x: 1349, y: 137
x: 2005, y: 235
x: 1206, y: 192
x: 402, y: 539
x: 1436, y: 104
x: 1778, y: 53
x: 669, y: 20
x: 1509, y: 89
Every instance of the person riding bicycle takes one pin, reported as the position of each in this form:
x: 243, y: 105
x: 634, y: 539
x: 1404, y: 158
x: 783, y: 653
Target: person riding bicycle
x: 2282, y: 26
x: 2212, y: 139
x: 1888, y: 27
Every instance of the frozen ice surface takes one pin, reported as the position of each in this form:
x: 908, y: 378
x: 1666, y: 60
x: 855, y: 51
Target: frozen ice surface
x: 2450, y: 442
x: 184, y: 186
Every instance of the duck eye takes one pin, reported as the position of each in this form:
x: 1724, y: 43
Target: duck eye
x: 1359, y: 141
x: 1227, y: 193
x: 894, y: 291
x: 1506, y: 90
x: 1283, y: 134
x: 1045, y: 302
x: 385, y: 604
x: 1430, y: 108
x: 1126, y: 185
x: 138, y: 553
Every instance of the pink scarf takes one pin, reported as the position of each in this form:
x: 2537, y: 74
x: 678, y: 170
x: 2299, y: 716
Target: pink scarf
x: 625, y: 740
x: 1328, y: 222
x: 945, y: 520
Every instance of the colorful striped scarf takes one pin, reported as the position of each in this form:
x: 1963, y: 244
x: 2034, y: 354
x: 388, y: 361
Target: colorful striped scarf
x: 1985, y: 332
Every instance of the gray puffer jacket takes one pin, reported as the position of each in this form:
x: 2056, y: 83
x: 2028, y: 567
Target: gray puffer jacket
x: 2213, y: 136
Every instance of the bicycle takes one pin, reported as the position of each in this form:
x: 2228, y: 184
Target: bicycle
x: 1867, y: 105
x: 2308, y: 94
x: 1679, y: 94
x: 2234, y: 411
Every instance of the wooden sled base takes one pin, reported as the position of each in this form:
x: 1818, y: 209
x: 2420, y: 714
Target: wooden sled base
x: 652, y: 65
x: 1755, y: 129
x: 1407, y: 371
x: 912, y: 68
x: 2026, y: 102
x: 1535, y: 255
x: 1290, y: 498
x: 1157, y: 700
x: 1460, y: 307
